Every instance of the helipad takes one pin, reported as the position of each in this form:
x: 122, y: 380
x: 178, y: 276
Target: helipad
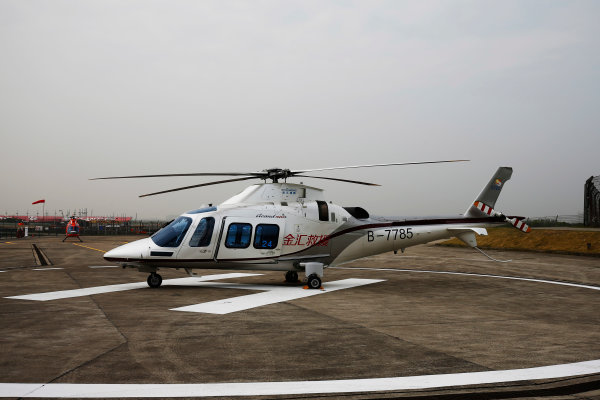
x: 435, y: 321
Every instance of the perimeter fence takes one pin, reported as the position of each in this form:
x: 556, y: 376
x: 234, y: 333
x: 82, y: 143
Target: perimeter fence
x: 13, y: 229
x: 556, y: 220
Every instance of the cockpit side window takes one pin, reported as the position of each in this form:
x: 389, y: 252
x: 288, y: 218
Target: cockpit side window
x: 203, y: 233
x: 172, y: 235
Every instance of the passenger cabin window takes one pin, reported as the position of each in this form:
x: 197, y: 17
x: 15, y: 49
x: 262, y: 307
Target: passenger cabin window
x: 203, y: 233
x: 238, y: 236
x: 323, y: 210
x: 172, y: 234
x: 266, y: 236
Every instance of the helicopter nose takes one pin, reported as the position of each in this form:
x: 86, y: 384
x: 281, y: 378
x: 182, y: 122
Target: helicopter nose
x: 130, y: 251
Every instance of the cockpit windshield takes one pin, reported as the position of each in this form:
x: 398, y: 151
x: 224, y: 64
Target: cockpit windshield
x: 172, y: 234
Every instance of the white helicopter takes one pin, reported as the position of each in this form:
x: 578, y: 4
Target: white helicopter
x: 291, y: 227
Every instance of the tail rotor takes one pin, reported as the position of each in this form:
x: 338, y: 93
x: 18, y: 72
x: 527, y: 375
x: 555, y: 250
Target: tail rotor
x: 514, y: 221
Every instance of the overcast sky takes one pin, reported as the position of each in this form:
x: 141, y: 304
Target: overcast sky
x: 102, y: 88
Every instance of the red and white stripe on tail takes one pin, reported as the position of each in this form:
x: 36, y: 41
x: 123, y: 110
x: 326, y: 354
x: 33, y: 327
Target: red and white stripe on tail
x: 517, y: 223
x: 486, y: 209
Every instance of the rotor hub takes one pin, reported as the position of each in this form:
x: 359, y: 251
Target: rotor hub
x: 277, y: 173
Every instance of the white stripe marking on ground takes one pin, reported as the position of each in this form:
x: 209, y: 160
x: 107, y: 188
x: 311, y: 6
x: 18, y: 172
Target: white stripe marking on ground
x: 65, y: 294
x: 66, y: 390
x: 45, y: 269
x: 271, y: 295
x: 516, y: 278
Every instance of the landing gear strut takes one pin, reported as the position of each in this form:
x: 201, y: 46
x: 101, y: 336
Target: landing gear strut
x: 154, y: 280
x: 314, y: 273
x: 291, y: 276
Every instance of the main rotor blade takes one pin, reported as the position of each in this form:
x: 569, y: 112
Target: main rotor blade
x: 339, y: 179
x: 376, y: 165
x: 202, y: 184
x: 254, y: 174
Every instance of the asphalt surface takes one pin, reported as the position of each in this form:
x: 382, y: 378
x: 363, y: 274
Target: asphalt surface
x: 412, y: 322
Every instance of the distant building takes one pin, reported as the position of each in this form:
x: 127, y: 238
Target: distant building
x: 591, y: 202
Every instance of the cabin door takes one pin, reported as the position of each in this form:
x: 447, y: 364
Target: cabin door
x: 250, y: 240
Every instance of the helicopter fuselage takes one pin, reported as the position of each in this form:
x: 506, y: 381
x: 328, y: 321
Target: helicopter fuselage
x: 281, y: 226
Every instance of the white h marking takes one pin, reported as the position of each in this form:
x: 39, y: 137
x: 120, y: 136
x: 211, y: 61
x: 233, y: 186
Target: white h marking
x: 268, y: 295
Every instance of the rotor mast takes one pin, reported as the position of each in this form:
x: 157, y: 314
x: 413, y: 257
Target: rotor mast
x: 276, y: 173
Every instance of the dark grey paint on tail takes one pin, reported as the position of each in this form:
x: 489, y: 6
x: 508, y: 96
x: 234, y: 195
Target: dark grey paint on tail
x: 491, y: 191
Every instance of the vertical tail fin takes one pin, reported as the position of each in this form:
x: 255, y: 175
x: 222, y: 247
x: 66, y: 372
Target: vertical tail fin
x: 490, y: 192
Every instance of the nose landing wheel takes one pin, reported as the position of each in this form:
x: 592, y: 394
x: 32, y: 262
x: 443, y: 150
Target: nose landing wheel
x: 154, y: 280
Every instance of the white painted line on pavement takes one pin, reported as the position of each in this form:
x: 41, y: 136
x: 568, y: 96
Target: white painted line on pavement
x: 516, y: 278
x: 45, y: 269
x: 65, y: 294
x: 69, y: 390
x: 271, y: 295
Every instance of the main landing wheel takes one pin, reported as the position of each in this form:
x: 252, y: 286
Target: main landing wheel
x: 291, y: 276
x: 314, y: 282
x: 154, y: 280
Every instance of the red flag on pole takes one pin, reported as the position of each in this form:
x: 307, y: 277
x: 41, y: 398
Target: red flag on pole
x: 39, y: 201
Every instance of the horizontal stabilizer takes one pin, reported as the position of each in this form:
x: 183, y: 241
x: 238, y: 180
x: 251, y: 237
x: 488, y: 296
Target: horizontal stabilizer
x: 467, y: 234
x: 458, y: 229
